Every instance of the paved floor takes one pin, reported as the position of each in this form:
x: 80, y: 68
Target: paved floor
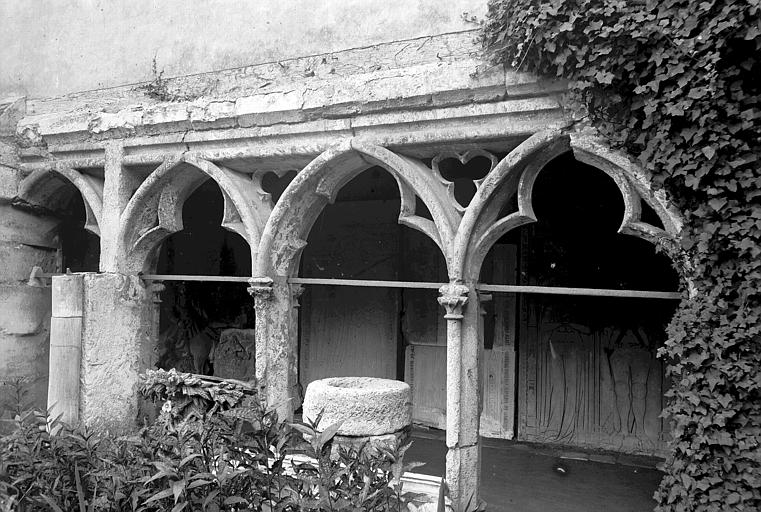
x: 521, y: 477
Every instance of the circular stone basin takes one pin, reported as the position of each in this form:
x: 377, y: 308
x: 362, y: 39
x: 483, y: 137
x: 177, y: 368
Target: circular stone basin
x: 366, y: 406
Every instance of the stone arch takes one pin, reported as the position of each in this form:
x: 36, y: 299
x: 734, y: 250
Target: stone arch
x: 155, y: 210
x: 284, y: 235
x: 515, y: 176
x: 42, y: 188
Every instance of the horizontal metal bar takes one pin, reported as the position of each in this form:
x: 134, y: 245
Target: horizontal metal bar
x: 210, y: 279
x: 590, y: 292
x: 367, y: 283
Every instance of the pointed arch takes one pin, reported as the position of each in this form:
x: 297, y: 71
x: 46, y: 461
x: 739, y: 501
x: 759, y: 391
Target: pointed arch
x: 515, y: 176
x: 155, y: 210
x: 284, y: 236
x: 42, y: 188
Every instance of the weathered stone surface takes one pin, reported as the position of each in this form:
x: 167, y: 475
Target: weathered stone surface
x: 18, y: 260
x: 235, y: 354
x: 9, y: 180
x: 463, y: 475
x: 25, y: 309
x: 26, y: 357
x: 366, y: 406
x: 276, y: 360
x: 117, y: 339
x: 24, y: 227
x: 11, y: 111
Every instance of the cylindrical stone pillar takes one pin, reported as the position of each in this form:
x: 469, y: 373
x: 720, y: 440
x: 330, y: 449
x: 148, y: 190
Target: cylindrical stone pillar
x: 463, y: 401
x: 275, y: 343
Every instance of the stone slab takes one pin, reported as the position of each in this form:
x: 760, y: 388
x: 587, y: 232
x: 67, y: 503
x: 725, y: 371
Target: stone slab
x: 67, y: 295
x: 235, y: 354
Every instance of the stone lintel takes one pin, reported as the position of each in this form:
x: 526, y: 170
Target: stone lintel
x: 498, y: 126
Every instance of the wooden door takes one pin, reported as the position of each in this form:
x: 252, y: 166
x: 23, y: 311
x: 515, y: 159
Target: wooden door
x: 588, y: 371
x: 348, y: 331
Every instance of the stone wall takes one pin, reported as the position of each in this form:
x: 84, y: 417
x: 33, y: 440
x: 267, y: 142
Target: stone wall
x: 26, y: 240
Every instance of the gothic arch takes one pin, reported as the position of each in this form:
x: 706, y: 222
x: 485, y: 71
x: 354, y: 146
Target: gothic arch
x: 515, y: 176
x: 155, y: 210
x: 285, y: 233
x: 42, y: 188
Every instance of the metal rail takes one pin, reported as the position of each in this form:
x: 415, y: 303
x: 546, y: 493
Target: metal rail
x: 366, y: 283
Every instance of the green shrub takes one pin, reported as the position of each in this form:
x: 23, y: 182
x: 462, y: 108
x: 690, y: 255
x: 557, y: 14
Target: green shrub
x: 213, y: 448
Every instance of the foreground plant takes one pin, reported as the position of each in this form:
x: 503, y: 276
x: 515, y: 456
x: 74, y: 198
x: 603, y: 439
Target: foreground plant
x: 214, y: 447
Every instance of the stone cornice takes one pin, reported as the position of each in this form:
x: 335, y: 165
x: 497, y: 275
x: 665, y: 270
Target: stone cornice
x: 498, y: 126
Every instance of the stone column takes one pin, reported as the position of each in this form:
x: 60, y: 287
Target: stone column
x: 117, y: 346
x: 66, y: 347
x: 118, y: 186
x: 463, y: 401
x: 297, y: 393
x: 275, y: 335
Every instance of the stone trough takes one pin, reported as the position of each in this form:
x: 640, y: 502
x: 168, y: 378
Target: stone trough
x: 371, y: 410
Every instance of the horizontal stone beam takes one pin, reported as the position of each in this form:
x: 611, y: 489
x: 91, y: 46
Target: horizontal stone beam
x: 497, y: 126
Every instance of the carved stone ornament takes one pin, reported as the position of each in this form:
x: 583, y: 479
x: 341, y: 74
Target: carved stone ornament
x: 155, y: 289
x: 297, y: 290
x: 463, y: 158
x: 260, y: 287
x: 453, y: 298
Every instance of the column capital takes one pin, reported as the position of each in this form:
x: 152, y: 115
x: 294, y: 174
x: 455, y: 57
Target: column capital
x: 155, y: 288
x: 297, y: 290
x: 453, y: 298
x: 260, y: 287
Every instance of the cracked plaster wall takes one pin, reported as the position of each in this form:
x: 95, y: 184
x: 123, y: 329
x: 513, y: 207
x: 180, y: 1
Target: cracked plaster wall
x: 53, y: 48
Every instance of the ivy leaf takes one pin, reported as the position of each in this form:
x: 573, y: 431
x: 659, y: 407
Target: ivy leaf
x: 717, y: 203
x: 604, y: 77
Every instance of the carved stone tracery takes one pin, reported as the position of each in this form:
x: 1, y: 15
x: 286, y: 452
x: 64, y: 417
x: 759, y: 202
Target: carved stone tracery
x: 463, y: 158
x: 155, y: 210
x: 42, y: 188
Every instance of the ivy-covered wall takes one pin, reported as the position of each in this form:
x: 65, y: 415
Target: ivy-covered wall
x: 676, y: 83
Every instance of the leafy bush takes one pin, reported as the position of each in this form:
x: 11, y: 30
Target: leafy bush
x: 676, y: 84
x: 213, y: 448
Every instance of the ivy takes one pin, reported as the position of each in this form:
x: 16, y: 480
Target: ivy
x: 676, y: 84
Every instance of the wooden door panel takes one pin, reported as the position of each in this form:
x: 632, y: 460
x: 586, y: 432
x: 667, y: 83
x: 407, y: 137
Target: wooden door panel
x: 350, y: 332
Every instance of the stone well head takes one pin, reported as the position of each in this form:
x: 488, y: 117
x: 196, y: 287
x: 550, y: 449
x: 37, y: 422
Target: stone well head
x: 365, y: 406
